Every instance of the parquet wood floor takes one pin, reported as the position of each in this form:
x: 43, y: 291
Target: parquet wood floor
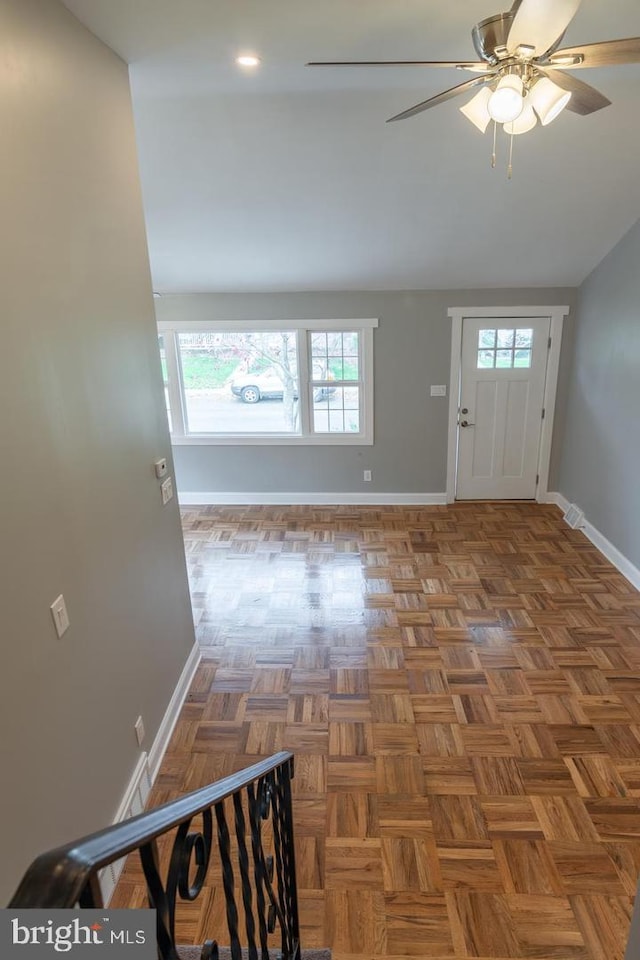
x: 461, y: 688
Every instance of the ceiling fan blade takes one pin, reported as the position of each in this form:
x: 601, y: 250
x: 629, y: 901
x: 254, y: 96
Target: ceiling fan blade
x: 609, y: 53
x: 539, y: 23
x: 473, y: 66
x: 584, y: 98
x: 441, y: 97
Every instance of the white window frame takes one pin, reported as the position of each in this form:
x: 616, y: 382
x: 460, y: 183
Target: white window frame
x: 364, y: 327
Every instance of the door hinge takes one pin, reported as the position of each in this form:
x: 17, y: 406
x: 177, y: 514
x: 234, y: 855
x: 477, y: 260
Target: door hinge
x: 543, y: 413
x: 549, y: 344
x: 537, y: 479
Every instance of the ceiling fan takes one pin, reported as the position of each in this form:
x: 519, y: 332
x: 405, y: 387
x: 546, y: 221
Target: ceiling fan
x: 521, y: 72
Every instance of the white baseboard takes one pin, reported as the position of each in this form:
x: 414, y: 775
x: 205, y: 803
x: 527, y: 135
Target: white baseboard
x: 573, y: 515
x: 623, y: 564
x: 137, y: 792
x: 611, y: 552
x: 132, y: 803
x: 311, y: 499
x: 559, y: 501
x: 161, y: 742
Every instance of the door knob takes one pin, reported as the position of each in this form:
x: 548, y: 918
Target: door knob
x: 465, y: 423
x: 465, y: 410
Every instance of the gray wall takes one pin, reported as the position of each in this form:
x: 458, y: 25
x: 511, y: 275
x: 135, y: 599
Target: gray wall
x: 82, y: 422
x: 600, y: 447
x: 412, y: 351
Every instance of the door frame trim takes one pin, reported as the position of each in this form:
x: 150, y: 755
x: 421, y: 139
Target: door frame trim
x: 556, y: 315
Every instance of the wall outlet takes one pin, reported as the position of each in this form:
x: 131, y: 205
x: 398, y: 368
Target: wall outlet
x: 160, y: 467
x: 166, y: 489
x: 139, y: 729
x: 367, y: 475
x: 438, y: 389
x: 60, y: 616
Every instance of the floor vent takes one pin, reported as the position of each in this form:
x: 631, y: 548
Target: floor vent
x: 574, y: 517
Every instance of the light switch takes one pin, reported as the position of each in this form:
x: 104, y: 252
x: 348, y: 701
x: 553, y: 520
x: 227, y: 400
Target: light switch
x: 438, y: 390
x: 60, y: 615
x: 166, y: 489
x: 139, y: 729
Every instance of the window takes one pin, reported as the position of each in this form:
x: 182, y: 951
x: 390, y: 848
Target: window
x: 276, y: 383
x: 165, y: 377
x: 506, y: 348
x: 239, y: 382
x: 335, y: 381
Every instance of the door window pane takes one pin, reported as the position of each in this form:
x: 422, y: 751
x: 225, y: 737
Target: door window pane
x: 486, y: 359
x: 505, y: 338
x: 524, y: 338
x: 240, y: 382
x: 487, y: 338
x: 504, y: 348
x: 522, y: 358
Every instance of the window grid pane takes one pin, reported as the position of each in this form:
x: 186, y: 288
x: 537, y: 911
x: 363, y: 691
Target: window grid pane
x: 335, y: 356
x: 337, y: 410
x: 240, y: 382
x: 318, y: 344
x: 486, y: 359
x: 522, y: 358
x: 335, y: 362
x: 486, y: 338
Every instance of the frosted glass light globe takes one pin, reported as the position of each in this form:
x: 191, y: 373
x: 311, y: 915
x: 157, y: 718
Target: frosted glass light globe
x: 548, y: 99
x: 506, y: 102
x: 476, y: 110
x: 525, y: 122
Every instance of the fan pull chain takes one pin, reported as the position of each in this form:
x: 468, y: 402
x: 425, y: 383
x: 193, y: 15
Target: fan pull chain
x: 493, y: 155
x: 510, y: 167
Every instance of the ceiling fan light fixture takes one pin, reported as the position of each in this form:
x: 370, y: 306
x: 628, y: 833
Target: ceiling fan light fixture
x: 566, y: 60
x: 476, y: 109
x: 248, y: 60
x: 525, y: 122
x: 525, y: 51
x: 506, y: 101
x: 548, y: 99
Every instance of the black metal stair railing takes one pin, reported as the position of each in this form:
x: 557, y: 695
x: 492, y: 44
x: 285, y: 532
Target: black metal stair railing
x: 252, y: 809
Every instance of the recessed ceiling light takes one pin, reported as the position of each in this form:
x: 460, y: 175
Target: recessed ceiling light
x: 247, y: 61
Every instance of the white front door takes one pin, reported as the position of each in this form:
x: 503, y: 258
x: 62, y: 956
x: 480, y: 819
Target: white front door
x: 503, y: 371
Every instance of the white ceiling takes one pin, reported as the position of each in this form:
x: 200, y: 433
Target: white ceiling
x: 288, y: 178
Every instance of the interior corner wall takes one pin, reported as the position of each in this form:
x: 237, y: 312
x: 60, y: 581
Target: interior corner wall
x: 599, y: 464
x: 82, y: 422
x: 412, y: 350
